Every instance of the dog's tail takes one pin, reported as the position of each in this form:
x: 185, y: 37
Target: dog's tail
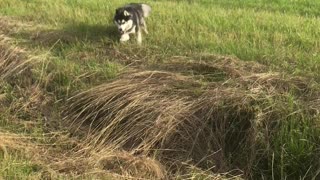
x: 146, y: 10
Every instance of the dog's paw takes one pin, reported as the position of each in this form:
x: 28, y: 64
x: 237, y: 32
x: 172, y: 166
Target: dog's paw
x: 124, y: 37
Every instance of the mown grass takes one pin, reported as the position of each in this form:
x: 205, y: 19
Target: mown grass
x: 76, y: 47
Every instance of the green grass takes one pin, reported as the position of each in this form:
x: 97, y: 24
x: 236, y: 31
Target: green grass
x: 14, y: 166
x: 77, y: 48
x: 293, y: 147
x: 286, y: 41
x: 63, y: 76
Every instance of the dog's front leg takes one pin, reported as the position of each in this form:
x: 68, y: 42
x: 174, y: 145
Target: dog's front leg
x: 124, y: 37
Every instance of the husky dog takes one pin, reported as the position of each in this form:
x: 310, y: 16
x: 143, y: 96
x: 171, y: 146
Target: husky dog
x: 130, y: 19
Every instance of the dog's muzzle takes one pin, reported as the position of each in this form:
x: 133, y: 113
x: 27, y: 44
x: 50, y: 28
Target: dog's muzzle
x: 121, y: 31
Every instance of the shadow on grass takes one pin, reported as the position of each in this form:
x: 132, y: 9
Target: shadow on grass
x: 89, y: 32
x: 70, y: 34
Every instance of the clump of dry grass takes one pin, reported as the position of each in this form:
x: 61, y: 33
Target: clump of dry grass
x: 26, y: 97
x: 87, y: 161
x: 9, y: 25
x: 128, y: 165
x: 81, y: 161
x: 13, y: 60
x: 84, y: 160
x: 168, y: 116
x: 13, y: 142
x: 208, y: 63
x: 216, y: 125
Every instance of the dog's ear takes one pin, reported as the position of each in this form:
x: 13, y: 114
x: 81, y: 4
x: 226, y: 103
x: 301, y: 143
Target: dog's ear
x: 126, y: 13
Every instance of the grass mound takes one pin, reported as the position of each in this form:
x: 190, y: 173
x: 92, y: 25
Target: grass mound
x: 220, y: 126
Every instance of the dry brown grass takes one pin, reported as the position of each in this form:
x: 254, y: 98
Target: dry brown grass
x: 166, y: 115
x: 79, y: 162
x: 14, y: 142
x: 10, y: 25
x: 13, y: 60
x: 180, y: 119
x: 26, y: 97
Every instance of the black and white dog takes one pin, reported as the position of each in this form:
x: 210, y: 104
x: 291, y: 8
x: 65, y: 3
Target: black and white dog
x: 130, y: 19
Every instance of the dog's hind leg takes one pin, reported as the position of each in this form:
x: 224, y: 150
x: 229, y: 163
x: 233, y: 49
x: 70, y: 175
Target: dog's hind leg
x: 139, y: 37
x: 144, y: 27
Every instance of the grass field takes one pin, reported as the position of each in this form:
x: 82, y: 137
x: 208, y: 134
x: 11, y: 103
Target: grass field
x: 217, y: 90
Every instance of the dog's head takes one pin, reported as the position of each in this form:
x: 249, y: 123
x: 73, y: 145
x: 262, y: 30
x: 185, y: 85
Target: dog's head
x: 123, y: 20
